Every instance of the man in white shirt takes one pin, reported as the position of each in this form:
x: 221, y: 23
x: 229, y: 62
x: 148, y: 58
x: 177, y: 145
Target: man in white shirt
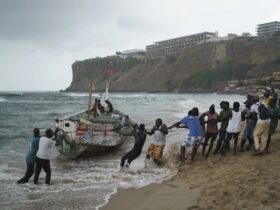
x: 233, y: 129
x: 42, y: 157
x: 155, y: 149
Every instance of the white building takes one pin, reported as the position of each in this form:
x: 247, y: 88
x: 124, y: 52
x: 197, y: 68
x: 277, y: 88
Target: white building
x: 175, y: 45
x: 135, y: 53
x: 268, y: 29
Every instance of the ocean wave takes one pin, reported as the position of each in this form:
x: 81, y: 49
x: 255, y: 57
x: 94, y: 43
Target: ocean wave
x: 117, y: 95
x: 2, y: 99
x: 30, y: 102
x: 188, y: 104
x: 136, y: 177
x: 11, y: 93
x: 83, y: 94
x: 130, y: 95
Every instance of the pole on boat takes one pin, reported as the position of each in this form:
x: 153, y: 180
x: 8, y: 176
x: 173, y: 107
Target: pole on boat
x: 90, y: 89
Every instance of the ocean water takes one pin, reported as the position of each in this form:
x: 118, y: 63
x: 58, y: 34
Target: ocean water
x: 84, y: 183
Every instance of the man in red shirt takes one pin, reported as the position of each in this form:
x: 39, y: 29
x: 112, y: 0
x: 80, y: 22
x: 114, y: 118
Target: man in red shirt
x: 211, y: 130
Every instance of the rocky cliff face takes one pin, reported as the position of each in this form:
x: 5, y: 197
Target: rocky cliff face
x: 192, y: 70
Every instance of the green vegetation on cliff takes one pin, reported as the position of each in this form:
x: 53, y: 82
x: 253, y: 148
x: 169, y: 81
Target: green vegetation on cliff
x: 204, y: 79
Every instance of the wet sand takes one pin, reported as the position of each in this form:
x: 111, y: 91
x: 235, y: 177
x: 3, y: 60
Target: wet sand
x: 236, y: 182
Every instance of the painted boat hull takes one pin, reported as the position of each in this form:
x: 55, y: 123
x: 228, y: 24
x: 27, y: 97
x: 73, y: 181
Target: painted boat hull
x: 80, y: 137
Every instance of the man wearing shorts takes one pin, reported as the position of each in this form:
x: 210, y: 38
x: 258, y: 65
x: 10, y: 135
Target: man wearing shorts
x: 193, y: 139
x: 233, y: 129
x: 156, y: 148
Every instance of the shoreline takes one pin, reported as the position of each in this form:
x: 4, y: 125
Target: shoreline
x: 170, y: 162
x: 11, y: 93
x: 164, y: 92
x: 141, y: 91
x: 169, y: 189
x: 233, y: 182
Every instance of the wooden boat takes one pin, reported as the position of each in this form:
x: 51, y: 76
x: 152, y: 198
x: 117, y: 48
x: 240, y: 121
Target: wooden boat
x: 84, y: 134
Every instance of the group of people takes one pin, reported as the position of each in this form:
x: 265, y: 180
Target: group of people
x: 261, y: 115
x: 261, y: 118
x: 38, y: 156
x: 98, y: 108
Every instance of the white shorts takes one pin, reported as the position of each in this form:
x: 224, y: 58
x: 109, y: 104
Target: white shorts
x: 190, y: 141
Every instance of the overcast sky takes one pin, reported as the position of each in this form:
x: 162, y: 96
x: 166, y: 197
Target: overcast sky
x: 40, y: 39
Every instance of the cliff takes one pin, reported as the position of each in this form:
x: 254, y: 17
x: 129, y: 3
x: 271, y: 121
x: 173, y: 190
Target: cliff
x: 194, y: 69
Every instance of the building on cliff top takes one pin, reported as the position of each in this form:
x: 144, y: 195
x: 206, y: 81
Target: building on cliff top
x: 135, y: 53
x: 175, y: 45
x: 234, y: 85
x: 275, y: 83
x: 268, y: 29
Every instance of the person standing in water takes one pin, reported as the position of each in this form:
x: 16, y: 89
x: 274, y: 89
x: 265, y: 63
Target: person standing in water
x: 43, y: 159
x: 211, y: 130
x: 140, y: 138
x: 156, y: 148
x: 31, y: 157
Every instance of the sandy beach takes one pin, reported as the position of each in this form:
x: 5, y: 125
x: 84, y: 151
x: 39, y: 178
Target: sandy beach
x: 234, y: 182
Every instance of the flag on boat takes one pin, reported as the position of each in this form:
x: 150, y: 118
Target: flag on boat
x: 110, y: 71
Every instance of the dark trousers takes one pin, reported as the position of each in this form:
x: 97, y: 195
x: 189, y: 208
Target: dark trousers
x: 208, y: 136
x: 248, y: 134
x: 28, y: 173
x: 45, y: 164
x: 130, y: 156
x: 222, y: 136
x: 226, y: 144
x: 271, y: 131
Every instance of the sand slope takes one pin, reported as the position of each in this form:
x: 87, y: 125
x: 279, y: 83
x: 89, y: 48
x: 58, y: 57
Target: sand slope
x: 233, y: 182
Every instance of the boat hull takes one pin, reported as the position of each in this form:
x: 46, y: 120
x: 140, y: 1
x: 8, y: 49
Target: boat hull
x: 80, y: 137
x: 95, y: 150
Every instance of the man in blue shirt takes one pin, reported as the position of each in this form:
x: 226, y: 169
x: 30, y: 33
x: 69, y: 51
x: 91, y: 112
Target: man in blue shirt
x: 31, y: 157
x: 193, y: 139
